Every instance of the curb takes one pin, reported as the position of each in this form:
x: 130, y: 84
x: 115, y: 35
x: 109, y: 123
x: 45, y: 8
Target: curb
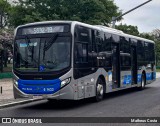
x: 18, y: 103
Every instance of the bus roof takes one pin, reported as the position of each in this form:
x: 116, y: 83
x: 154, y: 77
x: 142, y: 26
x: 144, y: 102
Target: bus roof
x: 98, y: 27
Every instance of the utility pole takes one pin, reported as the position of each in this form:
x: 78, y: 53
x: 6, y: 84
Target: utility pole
x: 114, y: 19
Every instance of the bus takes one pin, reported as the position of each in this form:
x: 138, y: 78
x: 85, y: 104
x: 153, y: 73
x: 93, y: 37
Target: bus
x: 73, y: 60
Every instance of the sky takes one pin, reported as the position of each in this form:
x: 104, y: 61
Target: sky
x: 147, y: 18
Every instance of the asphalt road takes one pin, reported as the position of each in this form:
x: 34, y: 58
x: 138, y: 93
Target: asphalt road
x: 126, y: 103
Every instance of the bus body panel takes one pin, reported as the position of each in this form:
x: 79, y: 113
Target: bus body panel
x: 84, y: 86
x: 126, y: 78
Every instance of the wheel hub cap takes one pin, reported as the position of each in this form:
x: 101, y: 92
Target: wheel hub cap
x: 100, y: 89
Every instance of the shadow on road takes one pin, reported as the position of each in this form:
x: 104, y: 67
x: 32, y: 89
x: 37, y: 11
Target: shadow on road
x: 68, y: 104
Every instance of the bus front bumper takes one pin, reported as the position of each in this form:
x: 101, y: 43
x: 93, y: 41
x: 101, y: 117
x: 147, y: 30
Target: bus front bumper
x: 19, y: 94
x: 63, y: 93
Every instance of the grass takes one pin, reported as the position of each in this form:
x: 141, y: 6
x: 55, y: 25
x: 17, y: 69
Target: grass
x: 7, y: 72
x: 5, y: 75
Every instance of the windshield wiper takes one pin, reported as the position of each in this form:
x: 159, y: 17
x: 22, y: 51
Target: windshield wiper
x: 30, y: 48
x: 50, y: 42
x: 28, y: 42
x: 48, y: 45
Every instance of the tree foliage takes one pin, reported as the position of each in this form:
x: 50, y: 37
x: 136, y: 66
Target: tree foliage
x: 88, y: 11
x: 128, y: 29
x: 4, y: 11
x: 156, y: 34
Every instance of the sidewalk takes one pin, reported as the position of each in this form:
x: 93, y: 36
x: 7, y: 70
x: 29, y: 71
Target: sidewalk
x: 7, y: 92
x: 158, y: 75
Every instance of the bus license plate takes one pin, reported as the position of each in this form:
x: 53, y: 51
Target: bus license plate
x: 37, y: 97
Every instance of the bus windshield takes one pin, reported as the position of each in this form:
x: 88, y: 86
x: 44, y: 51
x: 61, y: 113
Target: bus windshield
x: 42, y: 54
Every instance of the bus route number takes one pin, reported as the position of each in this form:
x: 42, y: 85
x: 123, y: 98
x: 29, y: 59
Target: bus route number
x: 43, y: 30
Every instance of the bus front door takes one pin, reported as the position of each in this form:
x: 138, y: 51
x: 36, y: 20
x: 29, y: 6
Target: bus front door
x: 116, y: 66
x: 134, y: 64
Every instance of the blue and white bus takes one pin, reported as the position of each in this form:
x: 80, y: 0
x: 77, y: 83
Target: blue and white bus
x: 73, y: 60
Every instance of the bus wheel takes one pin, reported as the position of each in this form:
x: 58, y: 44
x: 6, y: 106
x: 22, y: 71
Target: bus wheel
x: 143, y: 82
x: 99, y: 90
x: 52, y: 100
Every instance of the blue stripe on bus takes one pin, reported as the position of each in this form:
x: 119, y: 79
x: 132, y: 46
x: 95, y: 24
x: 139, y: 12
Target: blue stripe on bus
x: 139, y: 77
x: 127, y: 79
x: 148, y: 76
x: 39, y: 86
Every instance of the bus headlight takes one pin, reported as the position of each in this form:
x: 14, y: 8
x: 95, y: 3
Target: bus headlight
x: 65, y: 82
x: 15, y: 82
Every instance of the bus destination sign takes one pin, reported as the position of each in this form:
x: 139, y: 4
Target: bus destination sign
x: 44, y: 29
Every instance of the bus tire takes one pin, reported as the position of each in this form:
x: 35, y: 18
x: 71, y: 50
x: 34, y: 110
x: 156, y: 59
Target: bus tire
x: 143, y: 82
x: 99, y: 90
x: 52, y: 100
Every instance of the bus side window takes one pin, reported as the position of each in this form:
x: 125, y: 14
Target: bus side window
x: 147, y: 52
x: 81, y: 53
x: 125, y: 53
x: 125, y: 45
x: 152, y: 50
x: 96, y: 41
x: 140, y: 53
x: 106, y: 49
x: 82, y: 42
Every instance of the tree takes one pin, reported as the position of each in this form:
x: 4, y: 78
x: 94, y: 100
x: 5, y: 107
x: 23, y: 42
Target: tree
x: 88, y: 11
x: 6, y: 37
x: 128, y: 29
x: 147, y: 36
x: 4, y: 10
x: 156, y: 34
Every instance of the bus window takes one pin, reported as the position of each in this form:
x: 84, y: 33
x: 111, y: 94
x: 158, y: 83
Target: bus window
x: 140, y: 53
x: 125, y: 53
x: 82, y: 34
x: 147, y: 52
x: 125, y: 60
x: 81, y: 53
x: 82, y: 40
x: 106, y: 49
x: 125, y: 45
x: 151, y: 49
x: 115, y: 38
x: 96, y: 41
x: 107, y: 42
